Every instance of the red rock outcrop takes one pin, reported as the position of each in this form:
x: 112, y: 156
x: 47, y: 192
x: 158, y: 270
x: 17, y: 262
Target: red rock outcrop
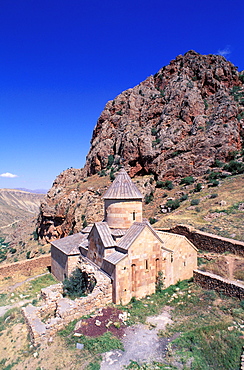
x: 174, y: 124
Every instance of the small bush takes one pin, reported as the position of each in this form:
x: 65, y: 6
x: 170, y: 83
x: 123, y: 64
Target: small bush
x: 198, y: 188
x: 110, y: 160
x: 218, y: 163
x: 102, y: 173
x: 149, y: 198
x: 165, y: 184
x: 214, y: 175
x: 187, y: 180
x: 195, y: 202
x: 78, y: 284
x: 153, y: 131
x: 173, y: 204
x: 214, y: 183
x: 214, y: 195
x: 159, y: 282
x: 152, y: 220
x: 234, y: 167
x: 183, y: 197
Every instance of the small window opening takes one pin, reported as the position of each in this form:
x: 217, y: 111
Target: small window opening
x: 124, y: 268
x: 172, y: 257
x: 134, y: 215
x: 146, y: 264
x: 184, y: 263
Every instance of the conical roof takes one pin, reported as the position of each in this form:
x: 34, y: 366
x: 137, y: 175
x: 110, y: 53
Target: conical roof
x: 122, y: 188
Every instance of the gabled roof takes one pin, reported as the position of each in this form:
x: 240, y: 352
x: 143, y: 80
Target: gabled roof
x: 122, y: 188
x: 104, y: 233
x: 115, y: 257
x: 118, y: 232
x: 69, y: 245
x: 174, y: 239
x: 134, y: 231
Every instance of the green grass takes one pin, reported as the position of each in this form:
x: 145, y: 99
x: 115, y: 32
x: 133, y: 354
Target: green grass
x: 207, y: 325
x: 10, y: 318
x: 33, y: 287
x: 210, y: 347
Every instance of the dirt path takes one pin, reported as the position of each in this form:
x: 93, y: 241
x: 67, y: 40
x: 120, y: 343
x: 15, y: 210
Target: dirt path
x: 141, y: 344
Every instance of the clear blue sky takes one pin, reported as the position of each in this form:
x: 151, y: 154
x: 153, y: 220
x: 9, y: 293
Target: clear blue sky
x: 62, y: 60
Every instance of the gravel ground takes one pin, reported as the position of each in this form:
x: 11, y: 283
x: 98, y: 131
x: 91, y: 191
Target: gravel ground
x: 141, y: 344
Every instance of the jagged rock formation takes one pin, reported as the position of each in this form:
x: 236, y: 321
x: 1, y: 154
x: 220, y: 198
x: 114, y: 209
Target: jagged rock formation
x: 174, y: 124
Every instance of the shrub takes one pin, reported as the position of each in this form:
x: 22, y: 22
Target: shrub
x: 173, y: 204
x: 218, y: 163
x: 153, y: 131
x: 102, y: 173
x: 28, y: 255
x: 234, y: 167
x: 214, y: 183
x: 195, y: 202
x: 79, y: 283
x: 183, y: 197
x: 84, y: 224
x: 198, y: 188
x: 152, y: 220
x: 149, y: 197
x: 214, y: 195
x: 165, y: 184
x: 187, y: 180
x: 214, y: 175
x: 159, y: 282
x: 110, y: 160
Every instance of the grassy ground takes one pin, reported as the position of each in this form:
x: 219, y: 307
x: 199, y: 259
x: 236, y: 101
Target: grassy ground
x: 211, y: 214
x: 208, y: 332
x: 27, y: 290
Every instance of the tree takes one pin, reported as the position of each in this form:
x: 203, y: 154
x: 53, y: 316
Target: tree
x: 78, y: 284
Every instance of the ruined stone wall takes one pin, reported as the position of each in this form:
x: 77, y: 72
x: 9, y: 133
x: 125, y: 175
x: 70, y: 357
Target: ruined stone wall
x: 210, y: 242
x: 56, y: 311
x: 214, y: 282
x: 26, y: 267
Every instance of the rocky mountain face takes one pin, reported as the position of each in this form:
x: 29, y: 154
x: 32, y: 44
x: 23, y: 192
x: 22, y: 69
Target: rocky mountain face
x: 174, y: 124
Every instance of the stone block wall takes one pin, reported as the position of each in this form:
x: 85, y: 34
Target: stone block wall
x: 214, y: 282
x: 209, y: 242
x: 56, y: 311
x: 26, y: 267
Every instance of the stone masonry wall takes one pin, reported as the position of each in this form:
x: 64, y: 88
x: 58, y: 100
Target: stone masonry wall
x: 26, y: 267
x: 210, y: 242
x: 215, y: 282
x: 56, y: 311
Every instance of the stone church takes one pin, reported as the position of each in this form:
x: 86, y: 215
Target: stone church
x: 125, y: 247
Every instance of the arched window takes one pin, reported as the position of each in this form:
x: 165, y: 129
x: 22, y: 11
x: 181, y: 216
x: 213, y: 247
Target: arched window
x: 133, y: 277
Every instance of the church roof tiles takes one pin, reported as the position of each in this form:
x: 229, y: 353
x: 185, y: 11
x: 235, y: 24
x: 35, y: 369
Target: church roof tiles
x: 122, y: 188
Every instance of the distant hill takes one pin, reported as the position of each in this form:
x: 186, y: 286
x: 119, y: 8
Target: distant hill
x: 17, y: 205
x: 35, y: 191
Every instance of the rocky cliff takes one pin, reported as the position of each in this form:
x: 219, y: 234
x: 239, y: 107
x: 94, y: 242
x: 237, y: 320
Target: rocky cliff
x: 174, y: 124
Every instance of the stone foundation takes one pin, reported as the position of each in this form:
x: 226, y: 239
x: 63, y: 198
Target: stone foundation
x: 56, y: 311
x: 214, y: 282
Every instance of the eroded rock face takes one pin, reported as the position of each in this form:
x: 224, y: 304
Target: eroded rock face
x: 172, y: 125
